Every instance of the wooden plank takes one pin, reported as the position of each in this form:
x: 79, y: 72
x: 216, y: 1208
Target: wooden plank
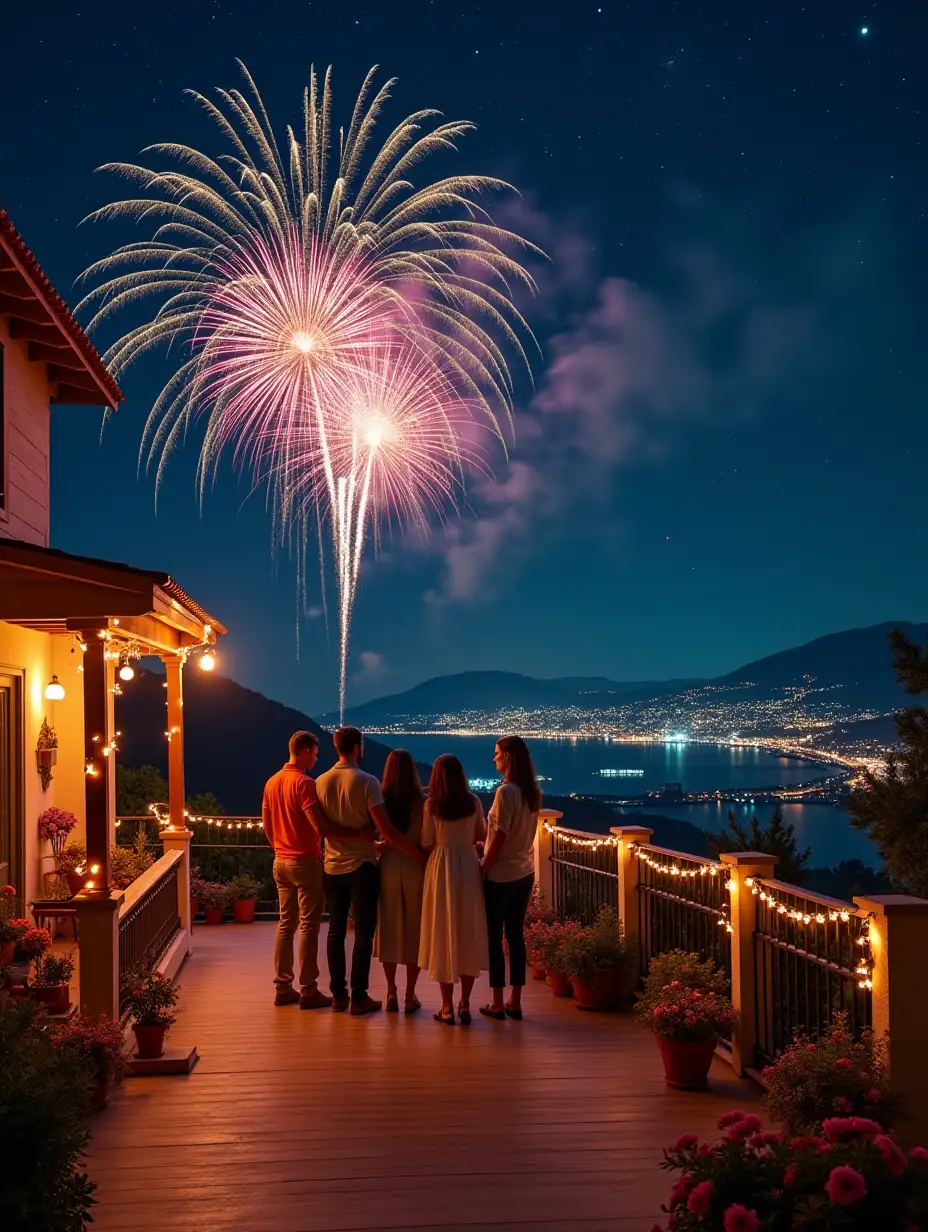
x: 317, y: 1122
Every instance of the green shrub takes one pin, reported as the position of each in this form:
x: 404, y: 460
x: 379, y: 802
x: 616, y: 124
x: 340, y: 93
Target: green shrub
x: 599, y: 947
x: 681, y: 967
x: 44, y: 1100
x: 244, y: 887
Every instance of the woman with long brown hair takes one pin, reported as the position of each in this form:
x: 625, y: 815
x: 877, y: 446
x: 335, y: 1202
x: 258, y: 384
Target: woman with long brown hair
x: 453, y: 944
x: 509, y: 872
x: 399, y: 911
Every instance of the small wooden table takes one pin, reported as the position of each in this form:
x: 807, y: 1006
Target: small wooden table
x: 45, y: 909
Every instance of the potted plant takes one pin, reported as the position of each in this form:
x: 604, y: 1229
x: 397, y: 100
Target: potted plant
x: 551, y: 954
x: 99, y: 1043
x: 128, y: 863
x: 687, y: 1024
x: 55, y: 824
x: 598, y: 962
x: 244, y: 891
x: 196, y: 890
x: 151, y: 1003
x: 216, y: 897
x: 51, y: 984
x: 536, y: 934
x: 46, y: 753
x: 29, y: 944
x: 852, y: 1177
x: 11, y: 927
x: 71, y: 864
x: 833, y: 1076
x: 687, y: 969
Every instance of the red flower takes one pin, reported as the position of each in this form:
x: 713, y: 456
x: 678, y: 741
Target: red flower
x: 805, y: 1144
x: 749, y: 1124
x: 919, y: 1155
x: 9, y: 891
x: 837, y: 1128
x: 873, y: 1096
x: 681, y: 1189
x: 730, y: 1118
x: 698, y: 1201
x: 842, y: 1105
x: 842, y: 1063
x: 136, y: 992
x: 845, y: 1186
x: 789, y: 1177
x: 685, y: 1141
x: 739, y: 1219
x: 895, y: 1160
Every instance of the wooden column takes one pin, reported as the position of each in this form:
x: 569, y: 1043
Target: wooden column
x: 629, y: 866
x: 544, y: 870
x: 174, y: 667
x: 98, y: 766
x: 745, y: 865
x: 898, y: 944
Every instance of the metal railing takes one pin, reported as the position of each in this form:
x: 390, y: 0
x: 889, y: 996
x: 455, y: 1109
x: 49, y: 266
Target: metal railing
x: 807, y: 953
x: 148, y: 919
x: 684, y: 912
x: 586, y: 874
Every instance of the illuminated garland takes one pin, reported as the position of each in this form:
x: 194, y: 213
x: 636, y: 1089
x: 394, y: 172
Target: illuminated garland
x: 573, y: 840
x: 707, y: 869
x: 164, y: 820
x: 864, y: 968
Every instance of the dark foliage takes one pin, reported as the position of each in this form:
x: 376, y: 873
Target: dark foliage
x: 776, y: 839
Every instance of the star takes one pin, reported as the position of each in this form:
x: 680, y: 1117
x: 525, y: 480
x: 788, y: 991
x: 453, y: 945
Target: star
x: 864, y: 30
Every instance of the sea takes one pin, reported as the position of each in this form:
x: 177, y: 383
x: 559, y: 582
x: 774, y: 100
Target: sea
x: 575, y: 765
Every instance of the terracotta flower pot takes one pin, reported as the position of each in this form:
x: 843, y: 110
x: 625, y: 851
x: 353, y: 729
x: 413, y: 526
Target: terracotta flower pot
x: 100, y: 1093
x: 560, y: 983
x: 75, y: 882
x: 149, y: 1041
x: 538, y: 972
x: 214, y: 915
x: 244, y: 910
x: 687, y: 1062
x: 7, y: 950
x: 600, y: 990
x: 55, y: 997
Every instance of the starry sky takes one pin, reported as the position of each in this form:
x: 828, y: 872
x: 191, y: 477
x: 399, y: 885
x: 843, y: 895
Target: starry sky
x: 723, y: 453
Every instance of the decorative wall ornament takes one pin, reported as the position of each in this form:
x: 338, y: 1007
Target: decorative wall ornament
x: 46, y: 753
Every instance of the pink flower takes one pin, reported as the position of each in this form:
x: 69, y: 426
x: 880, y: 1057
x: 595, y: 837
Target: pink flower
x: 837, y: 1036
x: 730, y: 1117
x: 919, y: 1155
x: 895, y: 1160
x: 842, y: 1105
x: 748, y: 1124
x: 739, y: 1219
x: 805, y: 1143
x: 9, y: 891
x: 762, y: 1140
x: 699, y: 1199
x: 845, y: 1186
x: 681, y: 1189
x: 837, y: 1128
x: 842, y: 1063
x: 810, y: 1048
x: 873, y: 1096
x: 863, y: 1076
x: 705, y: 1151
x: 685, y: 1141
x: 789, y: 1177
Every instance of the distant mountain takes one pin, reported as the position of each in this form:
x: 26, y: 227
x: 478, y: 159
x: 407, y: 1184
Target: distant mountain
x: 234, y: 739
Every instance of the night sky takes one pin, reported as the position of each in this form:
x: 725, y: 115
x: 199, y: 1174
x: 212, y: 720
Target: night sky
x: 724, y: 453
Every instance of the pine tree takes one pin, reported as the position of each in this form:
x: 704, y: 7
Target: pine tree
x: 776, y: 839
x: 893, y: 807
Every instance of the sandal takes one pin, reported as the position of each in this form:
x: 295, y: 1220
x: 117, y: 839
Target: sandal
x: 489, y: 1012
x: 445, y: 1020
x: 464, y: 1017
x: 412, y: 1006
x: 393, y: 1004
x: 511, y: 1012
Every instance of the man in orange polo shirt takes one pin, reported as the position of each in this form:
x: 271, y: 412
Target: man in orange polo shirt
x: 294, y: 824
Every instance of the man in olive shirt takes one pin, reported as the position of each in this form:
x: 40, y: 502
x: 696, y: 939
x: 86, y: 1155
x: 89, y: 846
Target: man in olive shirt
x: 352, y: 799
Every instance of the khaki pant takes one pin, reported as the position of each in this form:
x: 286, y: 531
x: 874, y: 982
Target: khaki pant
x: 301, y: 893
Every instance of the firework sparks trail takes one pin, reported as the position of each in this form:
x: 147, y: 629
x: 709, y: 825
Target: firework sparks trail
x: 342, y: 330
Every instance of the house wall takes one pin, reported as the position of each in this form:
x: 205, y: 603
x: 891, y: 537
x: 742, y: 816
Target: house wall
x: 38, y: 656
x: 27, y: 419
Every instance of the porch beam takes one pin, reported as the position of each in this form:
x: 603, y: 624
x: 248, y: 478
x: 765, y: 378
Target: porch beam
x: 174, y: 669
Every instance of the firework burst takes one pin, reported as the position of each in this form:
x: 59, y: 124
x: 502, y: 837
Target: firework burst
x: 340, y: 328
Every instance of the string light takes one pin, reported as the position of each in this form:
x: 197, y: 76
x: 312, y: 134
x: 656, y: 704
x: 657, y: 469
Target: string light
x: 705, y: 868
x: 162, y: 817
x: 574, y: 840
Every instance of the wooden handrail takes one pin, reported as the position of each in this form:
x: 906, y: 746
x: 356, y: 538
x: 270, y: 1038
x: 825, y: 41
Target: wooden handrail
x: 798, y: 892
x: 678, y: 855
x: 148, y: 880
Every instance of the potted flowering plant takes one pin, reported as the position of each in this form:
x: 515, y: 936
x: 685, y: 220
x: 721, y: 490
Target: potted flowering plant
x: 215, y: 897
x: 99, y: 1044
x: 71, y: 863
x: 687, y: 969
x: 151, y: 1003
x: 853, y: 1177
x: 196, y: 889
x: 52, y: 979
x: 536, y: 934
x: 55, y: 824
x: 11, y: 926
x: 833, y: 1076
x: 687, y: 1024
x: 551, y: 954
x: 244, y: 892
x: 598, y: 962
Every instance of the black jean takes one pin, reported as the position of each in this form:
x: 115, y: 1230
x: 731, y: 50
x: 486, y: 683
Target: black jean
x: 357, y: 891
x: 506, y: 904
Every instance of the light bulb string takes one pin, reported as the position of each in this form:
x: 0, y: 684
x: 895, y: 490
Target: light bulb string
x: 704, y: 868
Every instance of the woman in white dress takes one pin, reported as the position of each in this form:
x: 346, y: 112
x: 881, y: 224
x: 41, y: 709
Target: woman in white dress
x: 453, y: 940
x: 399, y: 910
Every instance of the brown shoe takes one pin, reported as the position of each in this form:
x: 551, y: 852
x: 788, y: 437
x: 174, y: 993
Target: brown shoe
x: 315, y: 1000
x: 340, y: 1004
x: 365, y: 1005
x: 286, y: 996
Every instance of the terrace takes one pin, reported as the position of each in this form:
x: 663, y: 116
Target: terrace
x: 317, y: 1121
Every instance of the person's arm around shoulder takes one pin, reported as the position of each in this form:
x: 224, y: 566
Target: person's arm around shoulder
x: 319, y: 821
x: 500, y: 821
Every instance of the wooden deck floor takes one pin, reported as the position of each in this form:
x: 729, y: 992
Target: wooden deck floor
x: 316, y: 1122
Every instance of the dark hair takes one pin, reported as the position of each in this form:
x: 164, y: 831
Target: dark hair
x: 402, y: 791
x: 301, y: 741
x: 345, y: 739
x: 450, y: 796
x: 520, y: 770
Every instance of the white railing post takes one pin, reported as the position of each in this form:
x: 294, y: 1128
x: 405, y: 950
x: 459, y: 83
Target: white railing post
x: 544, y: 842
x: 628, y: 866
x: 898, y: 937
x: 744, y: 866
